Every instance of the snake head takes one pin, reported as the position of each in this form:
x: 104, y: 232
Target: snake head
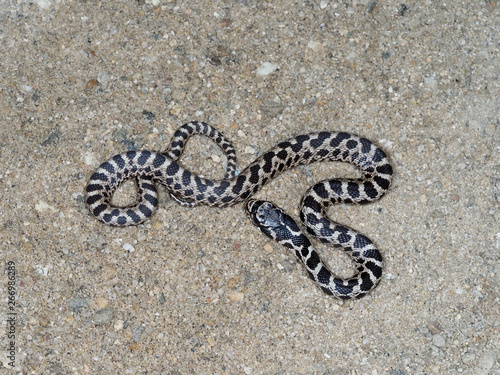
x: 266, y: 216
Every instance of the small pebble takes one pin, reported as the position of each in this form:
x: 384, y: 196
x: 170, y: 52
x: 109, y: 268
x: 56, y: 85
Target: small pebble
x: 268, y: 247
x: 128, y: 247
x: 236, y: 297
x: 438, y: 340
x: 247, y: 370
x: 118, y: 325
x: 103, y: 316
x: 91, y: 84
x: 108, y: 272
x: 42, y: 206
x: 266, y: 69
x: 101, y: 302
x: 78, y: 303
x: 44, y: 321
x: 249, y: 150
x: 486, y: 362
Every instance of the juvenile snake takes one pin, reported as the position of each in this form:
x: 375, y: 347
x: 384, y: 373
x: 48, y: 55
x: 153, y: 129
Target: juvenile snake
x: 189, y: 189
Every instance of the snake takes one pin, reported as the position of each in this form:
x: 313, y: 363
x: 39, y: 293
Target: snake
x: 189, y: 189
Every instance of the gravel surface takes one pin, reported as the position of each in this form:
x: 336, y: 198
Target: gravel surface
x: 201, y: 291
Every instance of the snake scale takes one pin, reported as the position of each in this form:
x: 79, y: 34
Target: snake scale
x: 188, y: 189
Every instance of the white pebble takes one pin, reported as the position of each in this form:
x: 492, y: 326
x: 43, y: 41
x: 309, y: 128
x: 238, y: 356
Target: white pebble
x: 249, y: 150
x: 42, y: 206
x: 26, y: 89
x: 438, y: 340
x: 44, y: 4
x: 128, y: 247
x: 246, y: 369
x: 312, y: 44
x: 266, y: 69
x: 90, y: 158
x: 118, y: 325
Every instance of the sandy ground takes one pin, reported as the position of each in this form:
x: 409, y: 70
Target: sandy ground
x: 201, y: 291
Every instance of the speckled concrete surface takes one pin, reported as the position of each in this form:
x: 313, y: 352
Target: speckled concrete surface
x: 201, y: 291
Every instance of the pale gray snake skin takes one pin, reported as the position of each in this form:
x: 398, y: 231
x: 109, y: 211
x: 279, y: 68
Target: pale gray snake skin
x: 189, y: 189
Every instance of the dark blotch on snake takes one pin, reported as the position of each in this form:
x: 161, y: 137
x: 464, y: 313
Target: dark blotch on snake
x: 268, y: 159
x: 353, y: 189
x: 173, y: 168
x: 284, y: 144
x: 99, y: 209
x: 146, y: 211
x: 130, y: 155
x: 351, y: 144
x: 322, y: 153
x: 343, y: 236
x: 176, y: 153
x: 282, y: 154
x: 300, y: 141
x: 370, y: 190
x: 151, y: 199
x: 108, y: 166
x: 385, y: 169
x: 119, y: 161
x: 325, y: 289
x: 382, y: 182
x: 199, y: 184
x: 186, y: 177
x: 240, y: 180
x: 313, y: 261
x: 324, y: 275
x: 320, y: 190
x: 336, y: 186
x: 361, y: 241
x: 379, y: 155
x: 316, y: 142
x: 219, y: 190
x: 99, y: 176
x: 245, y: 194
x: 374, y: 268
x: 254, y: 174
x: 366, y: 145
x: 312, y: 219
x: 93, y: 187
x: 367, y: 282
x: 339, y: 138
x: 344, y: 290
x: 144, y: 157
x: 94, y: 198
x: 312, y: 203
x: 136, y: 218
x: 121, y: 220
x: 227, y: 199
x: 373, y: 254
x: 159, y: 160
x: 148, y: 186
x: 326, y: 232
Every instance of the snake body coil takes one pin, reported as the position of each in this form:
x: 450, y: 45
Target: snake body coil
x: 189, y: 189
